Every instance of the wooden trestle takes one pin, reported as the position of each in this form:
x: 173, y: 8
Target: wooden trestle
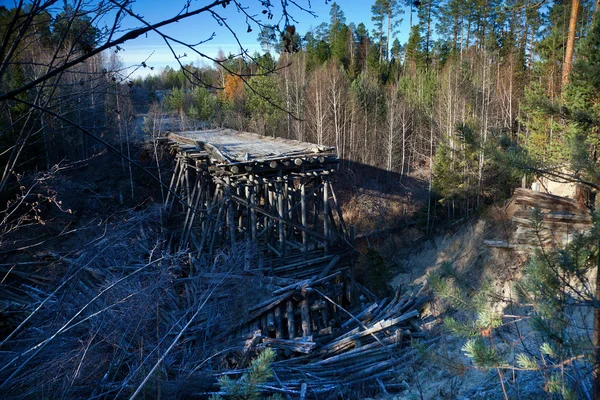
x: 230, y: 189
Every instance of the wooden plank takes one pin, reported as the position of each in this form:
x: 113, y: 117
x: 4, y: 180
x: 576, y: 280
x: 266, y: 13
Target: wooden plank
x: 532, y: 198
x: 329, y: 266
x: 233, y: 147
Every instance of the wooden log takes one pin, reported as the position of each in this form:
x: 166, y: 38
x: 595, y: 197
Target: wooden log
x: 377, y: 327
x: 325, y: 215
x: 329, y: 266
x: 253, y: 212
x: 270, y: 321
x: 363, y: 316
x: 248, y: 346
x: 270, y: 303
x: 171, y: 184
x: 501, y: 244
x: 291, y: 323
x: 230, y: 216
x: 544, y: 200
x: 303, y: 217
x: 298, y: 346
x: 580, y: 217
x: 339, y: 212
x: 277, y: 315
x: 305, y: 318
x: 281, y: 226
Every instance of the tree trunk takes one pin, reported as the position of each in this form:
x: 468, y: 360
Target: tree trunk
x: 389, y: 34
x: 596, y: 342
x: 570, y: 42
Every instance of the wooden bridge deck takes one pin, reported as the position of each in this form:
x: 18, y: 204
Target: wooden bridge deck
x: 232, y: 147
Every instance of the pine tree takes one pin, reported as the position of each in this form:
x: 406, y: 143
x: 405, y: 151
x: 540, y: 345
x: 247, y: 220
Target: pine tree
x: 385, y: 15
x: 427, y: 13
x: 267, y: 38
x: 247, y: 387
x: 337, y: 20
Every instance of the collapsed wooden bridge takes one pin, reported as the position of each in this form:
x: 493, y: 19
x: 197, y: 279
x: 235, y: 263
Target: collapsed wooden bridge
x: 271, y: 195
x: 273, y: 200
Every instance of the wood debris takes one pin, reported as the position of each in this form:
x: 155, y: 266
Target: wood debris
x: 370, y: 347
x: 544, y: 220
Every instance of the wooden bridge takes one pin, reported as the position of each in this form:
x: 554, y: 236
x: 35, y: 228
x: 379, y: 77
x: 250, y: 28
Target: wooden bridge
x: 273, y: 200
x: 271, y: 195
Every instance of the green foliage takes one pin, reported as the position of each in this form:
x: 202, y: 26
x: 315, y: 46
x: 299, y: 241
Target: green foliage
x: 555, y: 284
x: 267, y: 38
x: 544, y: 138
x: 264, y: 102
x: 461, y: 329
x: 456, y: 168
x: 448, y: 290
x: 175, y: 101
x: 339, y: 45
x: 247, y: 387
x: 526, y: 362
x: 203, y: 104
x: 487, y: 319
x: 414, y: 50
x: 317, y: 52
x: 71, y: 28
x: 376, y: 273
x: 546, y: 350
x: 481, y: 353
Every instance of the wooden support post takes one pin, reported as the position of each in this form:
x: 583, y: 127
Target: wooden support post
x: 189, y: 215
x: 289, y: 196
x: 339, y: 212
x: 303, y: 214
x: 207, y: 220
x: 198, y: 211
x: 240, y: 214
x: 178, y: 182
x: 216, y: 227
x: 291, y: 323
x: 186, y: 183
x: 171, y: 185
x: 230, y: 218
x: 270, y: 321
x: 268, y: 206
x: 305, y: 317
x: 278, y: 322
x: 281, y: 225
x: 253, y: 211
x: 247, y: 257
x: 264, y: 325
x: 326, y: 214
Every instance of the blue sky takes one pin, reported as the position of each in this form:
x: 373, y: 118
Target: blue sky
x: 201, y: 27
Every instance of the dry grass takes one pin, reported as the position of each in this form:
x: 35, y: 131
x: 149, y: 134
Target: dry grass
x: 115, y: 308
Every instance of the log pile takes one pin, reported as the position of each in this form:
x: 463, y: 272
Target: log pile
x: 544, y: 220
x: 369, y: 347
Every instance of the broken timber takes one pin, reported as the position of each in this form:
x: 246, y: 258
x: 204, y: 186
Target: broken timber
x: 369, y: 348
x: 556, y: 221
x: 272, y: 194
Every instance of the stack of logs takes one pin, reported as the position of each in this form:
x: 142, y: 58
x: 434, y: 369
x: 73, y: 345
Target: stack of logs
x: 544, y: 220
x: 369, y: 347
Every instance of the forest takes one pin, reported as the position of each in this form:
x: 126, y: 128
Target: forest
x: 440, y: 133
x: 471, y: 77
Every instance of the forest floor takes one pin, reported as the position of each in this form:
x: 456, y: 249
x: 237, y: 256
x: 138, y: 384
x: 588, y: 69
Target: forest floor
x: 101, y: 195
x: 445, y: 372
